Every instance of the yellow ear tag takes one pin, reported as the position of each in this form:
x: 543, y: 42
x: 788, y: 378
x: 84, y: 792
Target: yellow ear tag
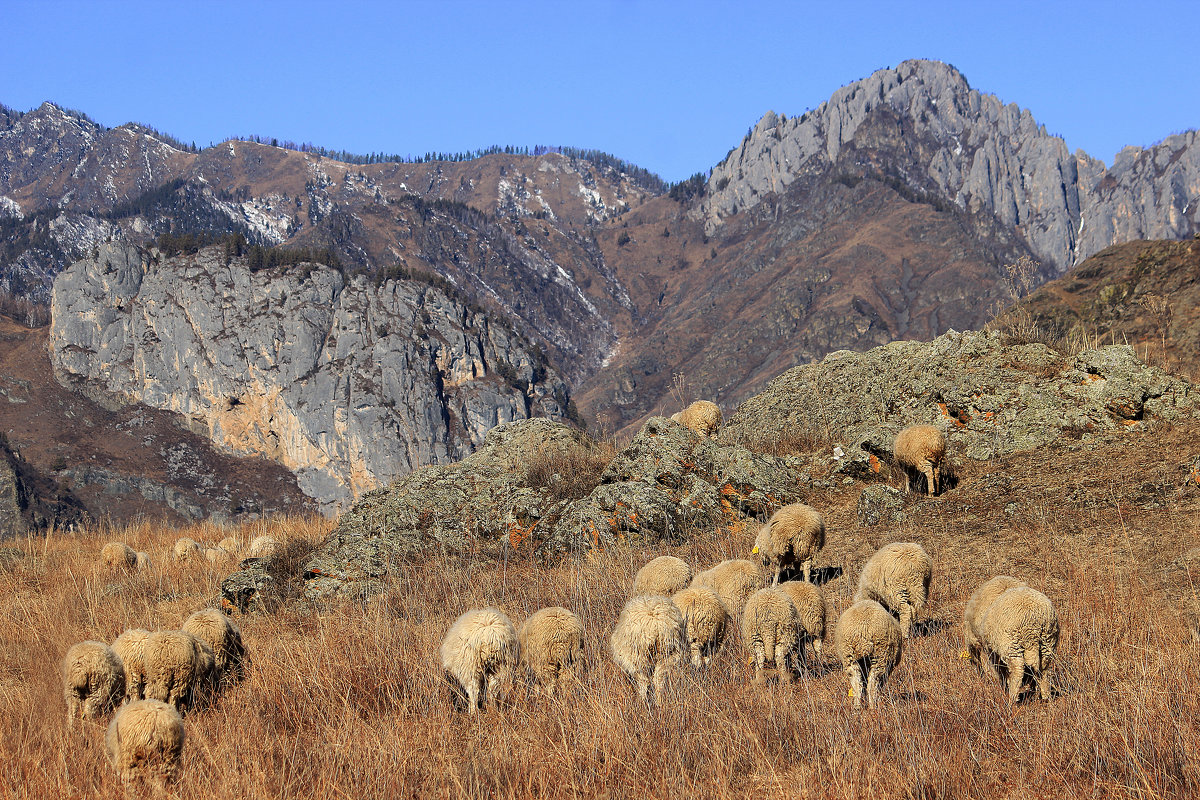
x: 964, y: 654
x: 755, y: 550
x: 850, y: 693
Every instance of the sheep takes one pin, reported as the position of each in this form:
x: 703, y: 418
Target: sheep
x: 221, y: 634
x: 1020, y: 631
x: 664, y: 575
x: 93, y: 680
x: 733, y: 581
x: 551, y: 644
x: 793, y: 535
x: 868, y: 638
x: 921, y: 448
x: 130, y: 646
x: 479, y: 653
x: 702, y: 417
x: 705, y: 619
x: 216, y: 556
x: 977, y: 606
x: 647, y: 643
x: 185, y: 549
x: 177, y: 668
x: 143, y: 562
x: 769, y: 630
x: 264, y: 547
x: 898, y: 577
x: 229, y: 545
x: 809, y: 601
x: 118, y: 555
x: 144, y: 742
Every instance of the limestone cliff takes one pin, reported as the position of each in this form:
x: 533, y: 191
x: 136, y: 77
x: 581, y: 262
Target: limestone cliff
x: 347, y: 383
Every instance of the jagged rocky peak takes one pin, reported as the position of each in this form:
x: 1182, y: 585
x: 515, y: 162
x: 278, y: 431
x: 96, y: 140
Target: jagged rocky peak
x: 348, y: 383
x: 938, y: 135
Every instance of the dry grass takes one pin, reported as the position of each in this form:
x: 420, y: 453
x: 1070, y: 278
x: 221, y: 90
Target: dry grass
x: 350, y: 701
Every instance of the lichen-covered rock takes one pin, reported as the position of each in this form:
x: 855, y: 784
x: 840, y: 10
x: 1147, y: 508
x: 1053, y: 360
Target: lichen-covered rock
x: 668, y: 481
x: 880, y: 503
x: 252, y: 588
x: 991, y: 398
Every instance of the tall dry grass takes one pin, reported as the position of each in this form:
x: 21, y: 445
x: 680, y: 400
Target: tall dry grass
x: 349, y: 701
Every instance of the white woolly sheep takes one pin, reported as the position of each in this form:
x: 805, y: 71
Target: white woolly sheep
x: 93, y: 680
x: 664, y: 575
x: 144, y: 742
x: 143, y: 562
x: 222, y: 634
x: 769, y: 630
x: 733, y: 581
x: 229, y: 545
x: 793, y: 535
x: 702, y: 417
x: 216, y: 556
x: 977, y: 606
x: 176, y: 670
x: 130, y: 647
x: 809, y: 601
x: 705, y: 620
x: 185, y: 549
x: 118, y: 555
x: 921, y: 448
x: 479, y: 653
x: 868, y: 638
x: 897, y: 577
x: 647, y: 643
x: 551, y: 643
x: 264, y: 547
x: 1020, y: 631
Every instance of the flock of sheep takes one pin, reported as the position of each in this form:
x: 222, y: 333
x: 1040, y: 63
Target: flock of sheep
x: 153, y: 678
x: 672, y: 614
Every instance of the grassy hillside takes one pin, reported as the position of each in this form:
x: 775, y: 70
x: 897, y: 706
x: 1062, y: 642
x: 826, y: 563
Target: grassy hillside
x: 350, y: 701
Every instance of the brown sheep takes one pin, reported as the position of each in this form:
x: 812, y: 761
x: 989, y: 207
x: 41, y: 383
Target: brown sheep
x: 921, y: 448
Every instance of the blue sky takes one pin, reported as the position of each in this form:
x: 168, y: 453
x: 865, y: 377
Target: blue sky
x: 668, y: 86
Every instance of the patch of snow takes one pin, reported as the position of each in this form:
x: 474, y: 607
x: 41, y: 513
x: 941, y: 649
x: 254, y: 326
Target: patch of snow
x: 10, y: 207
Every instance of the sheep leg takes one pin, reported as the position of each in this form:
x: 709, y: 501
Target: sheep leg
x: 875, y: 680
x: 778, y: 573
x: 643, y: 687
x: 907, y: 612
x: 937, y: 478
x: 930, y: 482
x: 1043, y: 684
x: 808, y: 570
x: 475, y: 695
x: 660, y: 677
x: 855, y: 676
x: 760, y: 661
x: 1016, y: 676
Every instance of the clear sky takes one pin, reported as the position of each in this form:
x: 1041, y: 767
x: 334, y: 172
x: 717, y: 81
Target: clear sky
x: 670, y: 86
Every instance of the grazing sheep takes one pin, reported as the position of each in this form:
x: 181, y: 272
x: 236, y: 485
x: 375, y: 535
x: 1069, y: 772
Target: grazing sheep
x: 93, y: 680
x: 921, y: 448
x: 977, y: 606
x: 809, y: 601
x: 118, y: 555
x: 264, y: 547
x: 793, y: 535
x: 702, y: 417
x: 868, y: 638
x: 185, y: 549
x: 1020, y: 631
x: 143, y: 562
x: 647, y: 643
x: 130, y: 647
x: 897, y: 577
x: 216, y: 556
x: 705, y: 619
x: 479, y: 653
x: 144, y: 742
x: 769, y: 630
x: 733, y: 581
x: 664, y: 575
x: 221, y: 634
x: 551, y: 646
x: 229, y: 545
x: 175, y: 670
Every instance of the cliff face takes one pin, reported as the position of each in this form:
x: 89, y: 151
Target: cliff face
x: 347, y: 384
x: 955, y: 142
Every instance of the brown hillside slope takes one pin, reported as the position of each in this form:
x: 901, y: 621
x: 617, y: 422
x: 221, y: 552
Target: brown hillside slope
x: 1146, y: 293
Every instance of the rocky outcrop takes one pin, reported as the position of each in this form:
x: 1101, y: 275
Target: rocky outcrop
x: 944, y: 139
x: 667, y: 484
x: 347, y: 383
x: 990, y: 398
